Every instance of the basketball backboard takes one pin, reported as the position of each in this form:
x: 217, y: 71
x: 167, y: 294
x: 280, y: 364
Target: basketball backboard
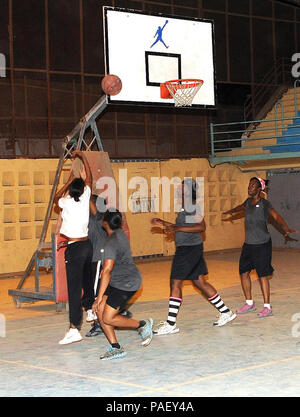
x: 145, y: 50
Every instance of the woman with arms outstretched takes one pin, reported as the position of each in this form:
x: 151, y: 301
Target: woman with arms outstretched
x: 257, y: 249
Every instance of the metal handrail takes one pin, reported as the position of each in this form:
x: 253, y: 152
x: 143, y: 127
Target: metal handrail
x: 275, y: 77
x: 215, y: 142
x: 249, y: 140
x: 252, y: 121
x: 277, y: 144
x: 264, y: 129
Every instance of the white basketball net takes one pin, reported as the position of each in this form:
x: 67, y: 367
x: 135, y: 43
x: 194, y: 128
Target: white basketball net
x: 183, y: 91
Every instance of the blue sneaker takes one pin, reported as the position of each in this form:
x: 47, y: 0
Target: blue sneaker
x: 113, y: 353
x: 146, y: 332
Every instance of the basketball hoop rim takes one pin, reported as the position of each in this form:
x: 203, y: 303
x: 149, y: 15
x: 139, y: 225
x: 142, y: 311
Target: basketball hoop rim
x: 193, y: 82
x: 182, y: 90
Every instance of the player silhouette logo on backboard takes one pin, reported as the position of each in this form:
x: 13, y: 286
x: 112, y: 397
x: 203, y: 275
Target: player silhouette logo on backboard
x: 159, y: 35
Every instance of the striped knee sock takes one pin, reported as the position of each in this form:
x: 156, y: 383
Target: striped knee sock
x: 217, y: 302
x: 174, y: 305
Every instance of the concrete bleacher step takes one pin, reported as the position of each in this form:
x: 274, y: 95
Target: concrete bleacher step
x: 259, y: 143
x: 288, y: 140
x: 290, y: 93
x: 244, y: 151
x: 288, y: 112
x: 291, y: 134
x: 294, y: 130
x: 281, y: 149
x: 296, y: 122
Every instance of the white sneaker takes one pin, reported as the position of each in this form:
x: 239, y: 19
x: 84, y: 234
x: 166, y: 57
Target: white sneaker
x: 165, y: 328
x: 225, y: 318
x: 91, y: 316
x: 71, y: 336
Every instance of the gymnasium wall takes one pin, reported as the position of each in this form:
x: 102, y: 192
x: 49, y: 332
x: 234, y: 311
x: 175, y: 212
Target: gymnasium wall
x: 26, y: 186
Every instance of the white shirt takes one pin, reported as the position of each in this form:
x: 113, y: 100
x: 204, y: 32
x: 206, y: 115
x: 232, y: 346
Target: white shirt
x: 75, y: 214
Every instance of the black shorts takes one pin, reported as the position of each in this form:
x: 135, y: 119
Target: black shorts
x: 117, y: 298
x: 188, y: 263
x: 258, y: 257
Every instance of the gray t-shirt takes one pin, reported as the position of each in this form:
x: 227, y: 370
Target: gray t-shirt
x: 97, y: 236
x: 125, y: 275
x: 186, y: 218
x: 256, y: 217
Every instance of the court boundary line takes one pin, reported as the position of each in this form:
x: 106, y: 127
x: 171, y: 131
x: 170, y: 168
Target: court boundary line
x: 73, y: 374
x: 148, y: 390
x: 167, y: 388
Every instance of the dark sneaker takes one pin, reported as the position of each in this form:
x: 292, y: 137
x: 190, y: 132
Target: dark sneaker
x: 113, y: 353
x: 95, y: 330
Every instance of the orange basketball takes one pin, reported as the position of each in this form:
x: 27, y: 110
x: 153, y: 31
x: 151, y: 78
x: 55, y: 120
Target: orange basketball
x: 111, y: 84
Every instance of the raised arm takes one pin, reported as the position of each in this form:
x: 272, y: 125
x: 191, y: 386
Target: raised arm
x: 63, y: 190
x: 81, y: 155
x: 93, y: 207
x: 164, y: 25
